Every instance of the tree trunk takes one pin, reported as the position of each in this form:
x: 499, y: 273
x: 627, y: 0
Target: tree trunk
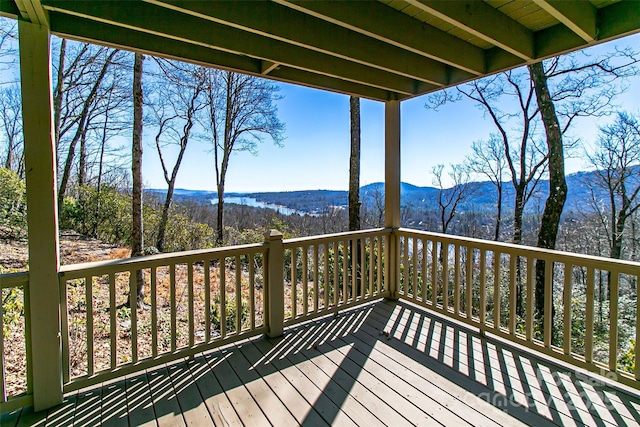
x: 496, y: 235
x: 57, y: 98
x: 354, y: 165
x: 517, y: 215
x: 557, y: 183
x: 219, y: 218
x: 137, y: 237
x: 354, y: 185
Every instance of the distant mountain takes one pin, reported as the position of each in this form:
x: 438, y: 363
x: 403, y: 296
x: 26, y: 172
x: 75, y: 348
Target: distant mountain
x: 424, y: 198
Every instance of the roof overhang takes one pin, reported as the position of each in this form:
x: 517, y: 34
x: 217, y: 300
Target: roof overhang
x: 383, y: 50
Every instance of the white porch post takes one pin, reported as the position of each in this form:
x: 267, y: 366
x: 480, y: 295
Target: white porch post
x: 392, y: 188
x: 42, y: 213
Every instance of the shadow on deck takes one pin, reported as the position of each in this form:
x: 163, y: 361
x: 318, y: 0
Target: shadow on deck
x: 385, y: 363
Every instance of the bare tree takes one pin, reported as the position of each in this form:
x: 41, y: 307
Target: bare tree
x: 566, y: 88
x: 179, y: 99
x: 524, y: 154
x: 8, y: 43
x: 241, y: 113
x: 449, y: 199
x: 137, y: 235
x: 11, y: 127
x: 82, y: 121
x: 354, y: 164
x: 488, y: 159
x: 616, y: 159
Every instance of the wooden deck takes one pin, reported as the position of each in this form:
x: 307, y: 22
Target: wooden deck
x: 347, y: 371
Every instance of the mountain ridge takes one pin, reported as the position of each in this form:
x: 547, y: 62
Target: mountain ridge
x: 482, y: 200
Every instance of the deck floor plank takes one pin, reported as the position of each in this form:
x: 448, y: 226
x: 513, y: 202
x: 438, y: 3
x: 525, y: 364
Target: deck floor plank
x: 313, y: 392
x: 345, y: 371
x: 302, y: 411
x: 139, y: 402
x: 364, y: 355
x: 539, y: 382
x: 114, y: 404
x: 245, y: 406
x: 62, y: 415
x: 191, y: 403
x: 450, y: 398
x: 88, y: 407
x: 336, y: 384
x: 165, y: 403
x: 457, y: 384
x: 271, y: 405
x: 10, y: 419
x: 30, y: 418
x: 215, y: 399
x: 343, y: 355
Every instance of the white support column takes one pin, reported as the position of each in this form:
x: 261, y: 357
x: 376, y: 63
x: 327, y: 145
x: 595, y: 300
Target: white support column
x: 392, y: 187
x: 42, y: 213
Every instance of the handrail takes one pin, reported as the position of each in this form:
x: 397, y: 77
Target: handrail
x: 601, y: 262
x: 328, y: 273
x: 196, y: 300
x: 147, y: 261
x: 491, y: 285
x: 15, y: 395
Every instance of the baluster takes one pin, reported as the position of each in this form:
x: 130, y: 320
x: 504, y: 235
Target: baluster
x: 513, y: 292
x: 530, y: 287
x: 613, y: 320
x: 154, y: 312
x: 568, y: 270
x: 88, y: 282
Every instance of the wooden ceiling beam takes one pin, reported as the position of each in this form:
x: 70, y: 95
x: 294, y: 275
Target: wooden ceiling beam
x: 483, y: 21
x: 303, y: 30
x: 32, y: 11
x: 88, y: 30
x: 578, y: 15
x: 151, y: 19
x: 375, y: 20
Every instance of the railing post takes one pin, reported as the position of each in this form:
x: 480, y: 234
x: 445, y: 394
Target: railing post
x: 275, y: 283
x: 42, y: 213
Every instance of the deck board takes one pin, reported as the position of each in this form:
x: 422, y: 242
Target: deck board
x: 88, y: 407
x: 245, y: 406
x: 313, y: 392
x: 165, y: 403
x: 300, y: 409
x: 190, y: 400
x: 139, y: 403
x: 114, y: 405
x: 215, y: 399
x: 346, y: 371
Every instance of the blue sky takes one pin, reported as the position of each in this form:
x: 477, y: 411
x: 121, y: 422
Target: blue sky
x: 315, y: 154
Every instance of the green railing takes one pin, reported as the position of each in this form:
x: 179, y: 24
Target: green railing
x: 324, y: 274
x: 15, y: 343
x: 199, y: 300
x: 194, y: 301
x: 491, y: 285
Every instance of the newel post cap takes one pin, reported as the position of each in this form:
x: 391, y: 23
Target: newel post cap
x: 272, y: 235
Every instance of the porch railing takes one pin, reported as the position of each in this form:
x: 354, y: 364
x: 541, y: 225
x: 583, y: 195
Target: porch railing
x: 15, y: 342
x: 325, y: 274
x: 196, y: 300
x: 199, y: 300
x: 491, y: 286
